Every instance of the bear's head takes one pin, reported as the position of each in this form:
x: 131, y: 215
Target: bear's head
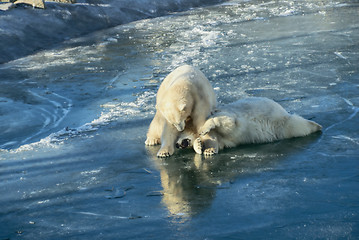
x: 176, y: 112
x: 185, y: 139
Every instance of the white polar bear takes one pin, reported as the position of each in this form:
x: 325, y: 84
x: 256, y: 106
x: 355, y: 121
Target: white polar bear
x: 184, y: 100
x: 251, y: 120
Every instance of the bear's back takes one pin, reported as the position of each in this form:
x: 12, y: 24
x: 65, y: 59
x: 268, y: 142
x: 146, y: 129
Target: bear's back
x: 257, y: 107
x: 189, y: 78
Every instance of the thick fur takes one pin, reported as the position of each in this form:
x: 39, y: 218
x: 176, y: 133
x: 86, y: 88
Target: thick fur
x: 251, y: 120
x: 185, y: 98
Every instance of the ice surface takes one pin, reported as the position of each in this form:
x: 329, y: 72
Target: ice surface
x: 24, y: 31
x: 73, y: 163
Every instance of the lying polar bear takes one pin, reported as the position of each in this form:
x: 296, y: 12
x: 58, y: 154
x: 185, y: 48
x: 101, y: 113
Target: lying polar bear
x: 184, y: 100
x: 251, y: 120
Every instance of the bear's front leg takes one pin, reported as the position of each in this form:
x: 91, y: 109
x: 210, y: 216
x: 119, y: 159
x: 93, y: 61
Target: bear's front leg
x: 168, y: 139
x: 155, y: 130
x: 210, y: 145
x: 207, y: 127
x: 224, y: 124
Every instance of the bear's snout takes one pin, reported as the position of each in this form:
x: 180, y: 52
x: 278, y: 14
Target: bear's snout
x: 184, y: 144
x: 180, y: 127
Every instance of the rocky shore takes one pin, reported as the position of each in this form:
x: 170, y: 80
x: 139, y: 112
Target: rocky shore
x: 9, y: 4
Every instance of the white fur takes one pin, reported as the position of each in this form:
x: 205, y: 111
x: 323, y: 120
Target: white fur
x: 184, y: 100
x: 251, y: 120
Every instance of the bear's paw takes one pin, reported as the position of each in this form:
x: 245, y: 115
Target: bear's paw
x: 197, y: 146
x: 164, y: 152
x: 152, y: 141
x: 209, y: 151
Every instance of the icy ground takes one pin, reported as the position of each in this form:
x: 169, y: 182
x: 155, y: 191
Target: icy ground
x: 24, y: 30
x: 73, y: 119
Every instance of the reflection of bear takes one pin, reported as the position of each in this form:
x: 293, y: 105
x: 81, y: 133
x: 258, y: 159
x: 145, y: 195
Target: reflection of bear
x: 185, y: 97
x: 186, y: 190
x: 187, y: 186
x: 251, y: 120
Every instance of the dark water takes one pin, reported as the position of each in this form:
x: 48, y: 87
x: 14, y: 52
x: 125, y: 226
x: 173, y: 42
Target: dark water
x: 73, y: 162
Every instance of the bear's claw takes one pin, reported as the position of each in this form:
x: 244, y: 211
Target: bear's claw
x: 197, y: 146
x: 162, y: 153
x: 205, y: 130
x: 209, y: 151
x: 203, y: 133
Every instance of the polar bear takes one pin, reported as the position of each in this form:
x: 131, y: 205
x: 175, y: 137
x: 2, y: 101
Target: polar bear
x: 184, y: 100
x: 251, y: 120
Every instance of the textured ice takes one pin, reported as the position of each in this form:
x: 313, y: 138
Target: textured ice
x: 61, y: 22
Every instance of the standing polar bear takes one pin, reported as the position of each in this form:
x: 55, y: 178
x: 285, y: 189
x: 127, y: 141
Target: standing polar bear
x: 251, y: 120
x: 184, y: 100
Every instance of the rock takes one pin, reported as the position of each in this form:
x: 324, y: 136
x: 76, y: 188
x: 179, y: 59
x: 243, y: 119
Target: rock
x: 33, y: 3
x: 62, y: 1
x: 6, y: 6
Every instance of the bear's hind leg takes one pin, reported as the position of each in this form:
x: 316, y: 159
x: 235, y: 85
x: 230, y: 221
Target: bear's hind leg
x: 297, y: 126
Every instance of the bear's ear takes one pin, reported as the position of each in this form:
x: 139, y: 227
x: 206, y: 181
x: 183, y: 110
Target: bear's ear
x: 182, y: 106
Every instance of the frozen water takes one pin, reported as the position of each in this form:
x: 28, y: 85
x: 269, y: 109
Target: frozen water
x: 24, y: 31
x: 73, y: 119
